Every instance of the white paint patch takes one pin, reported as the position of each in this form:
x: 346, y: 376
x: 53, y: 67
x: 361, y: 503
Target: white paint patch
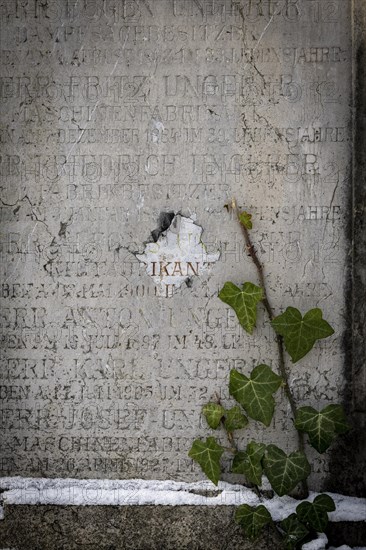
x: 178, y: 255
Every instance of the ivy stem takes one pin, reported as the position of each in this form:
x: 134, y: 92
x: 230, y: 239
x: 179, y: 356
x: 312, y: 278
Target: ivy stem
x: 234, y: 449
x: 279, y: 340
x: 230, y: 436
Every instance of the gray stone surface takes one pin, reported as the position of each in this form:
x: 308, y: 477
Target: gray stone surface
x: 142, y: 528
x: 114, y: 113
x: 138, y: 528
x: 347, y: 468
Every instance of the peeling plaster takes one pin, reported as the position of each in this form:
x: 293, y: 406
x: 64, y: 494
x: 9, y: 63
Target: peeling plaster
x: 177, y: 256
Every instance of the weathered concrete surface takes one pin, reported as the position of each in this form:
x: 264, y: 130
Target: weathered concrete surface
x: 142, y: 528
x: 348, y: 465
x: 114, y: 113
x: 112, y: 528
x: 110, y: 119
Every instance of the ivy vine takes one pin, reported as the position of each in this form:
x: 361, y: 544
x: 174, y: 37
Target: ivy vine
x: 296, y: 334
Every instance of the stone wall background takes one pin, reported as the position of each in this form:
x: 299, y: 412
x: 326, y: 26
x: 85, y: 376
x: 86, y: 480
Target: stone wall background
x: 116, y: 112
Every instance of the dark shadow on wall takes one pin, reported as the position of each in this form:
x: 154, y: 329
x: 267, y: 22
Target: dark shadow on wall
x: 348, y: 461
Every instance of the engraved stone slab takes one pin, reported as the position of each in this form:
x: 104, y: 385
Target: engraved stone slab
x: 114, y: 113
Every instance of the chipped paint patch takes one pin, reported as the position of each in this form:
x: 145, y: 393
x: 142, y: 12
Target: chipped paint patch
x: 177, y: 256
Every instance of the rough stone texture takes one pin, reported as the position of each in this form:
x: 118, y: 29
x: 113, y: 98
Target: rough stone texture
x: 140, y: 528
x: 348, y: 464
x: 116, y: 113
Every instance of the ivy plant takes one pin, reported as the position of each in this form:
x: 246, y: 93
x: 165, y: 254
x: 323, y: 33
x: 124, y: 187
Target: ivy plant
x: 296, y: 333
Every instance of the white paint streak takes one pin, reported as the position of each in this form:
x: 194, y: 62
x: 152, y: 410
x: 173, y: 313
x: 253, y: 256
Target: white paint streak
x: 137, y: 492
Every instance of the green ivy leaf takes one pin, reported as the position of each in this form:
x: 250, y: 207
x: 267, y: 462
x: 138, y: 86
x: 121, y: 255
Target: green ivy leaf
x: 235, y: 419
x: 208, y: 455
x: 246, y: 219
x: 284, y: 472
x: 300, y: 333
x: 249, y: 462
x: 213, y: 414
x: 315, y: 513
x: 254, y: 394
x: 252, y: 519
x: 244, y: 302
x: 322, y: 427
x: 294, y: 531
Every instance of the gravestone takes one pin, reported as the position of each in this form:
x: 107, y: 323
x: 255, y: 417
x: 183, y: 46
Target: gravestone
x: 127, y: 126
